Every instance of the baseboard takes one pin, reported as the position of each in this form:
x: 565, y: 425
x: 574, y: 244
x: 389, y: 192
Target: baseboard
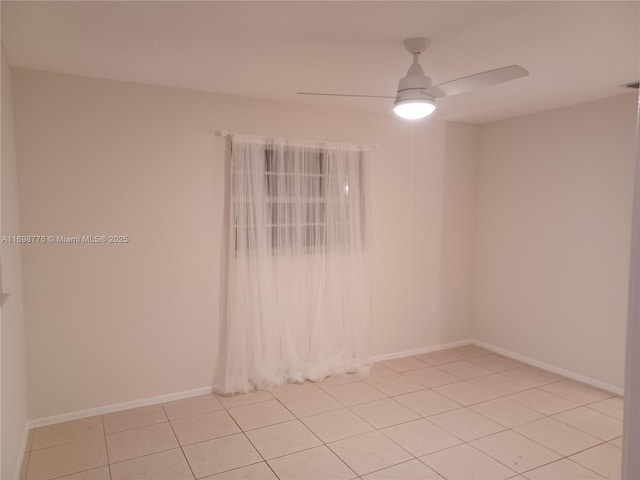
x: 65, y: 417
x: 23, y: 451
x: 418, y: 351
x: 41, y: 422
x: 552, y: 368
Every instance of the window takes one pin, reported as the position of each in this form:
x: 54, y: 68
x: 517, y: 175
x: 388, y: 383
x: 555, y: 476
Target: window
x: 303, y: 200
x: 298, y: 285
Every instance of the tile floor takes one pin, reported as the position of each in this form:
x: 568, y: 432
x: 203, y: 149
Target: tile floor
x: 462, y: 413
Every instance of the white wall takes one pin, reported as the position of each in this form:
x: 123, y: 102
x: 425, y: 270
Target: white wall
x: 553, y: 236
x: 115, y: 323
x: 13, y: 398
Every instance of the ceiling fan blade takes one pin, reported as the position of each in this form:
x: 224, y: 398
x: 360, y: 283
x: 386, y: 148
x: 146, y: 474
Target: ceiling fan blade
x: 479, y: 80
x: 342, y: 95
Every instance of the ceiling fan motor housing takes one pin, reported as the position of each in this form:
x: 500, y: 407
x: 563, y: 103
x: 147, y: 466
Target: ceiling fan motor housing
x: 414, y: 84
x: 412, y: 87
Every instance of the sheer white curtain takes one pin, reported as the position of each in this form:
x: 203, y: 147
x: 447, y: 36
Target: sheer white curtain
x: 298, y: 301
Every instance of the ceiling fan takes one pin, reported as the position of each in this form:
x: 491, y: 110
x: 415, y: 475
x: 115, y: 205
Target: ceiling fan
x: 416, y: 98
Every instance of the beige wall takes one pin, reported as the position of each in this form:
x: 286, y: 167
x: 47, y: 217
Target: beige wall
x: 13, y: 399
x: 553, y: 236
x: 458, y: 214
x: 546, y: 252
x: 116, y: 323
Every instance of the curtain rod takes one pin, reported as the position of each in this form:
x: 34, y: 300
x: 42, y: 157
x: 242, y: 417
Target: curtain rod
x: 226, y: 133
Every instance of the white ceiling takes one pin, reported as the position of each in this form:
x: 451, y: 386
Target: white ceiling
x: 575, y: 51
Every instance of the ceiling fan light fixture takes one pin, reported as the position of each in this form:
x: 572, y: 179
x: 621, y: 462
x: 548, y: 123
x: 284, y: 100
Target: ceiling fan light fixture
x: 412, y: 101
x: 414, y: 109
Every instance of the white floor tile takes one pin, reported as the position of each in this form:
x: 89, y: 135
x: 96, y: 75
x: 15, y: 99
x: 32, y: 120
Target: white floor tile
x: 613, y: 407
x: 369, y: 452
x: 260, y: 414
x: 310, y: 403
x: 604, y: 459
x: 282, y: 439
x: 465, y: 393
x: 592, y: 422
x: 543, y: 402
x: 52, y: 462
x: 507, y: 412
x: 384, y: 413
x: 427, y: 402
x: 430, y: 377
x: 563, y: 469
x: 244, y: 398
x: 396, y: 385
x: 134, y: 418
x: 576, y: 392
x: 405, y: 364
x: 465, y: 370
x: 411, y: 470
x: 315, y: 464
x: 420, y: 437
x: 355, y: 393
x: 557, y: 436
x: 336, y: 425
x: 440, y: 357
x: 140, y: 441
x: 294, y: 388
x: 516, y: 451
x: 220, y: 455
x: 532, y: 376
x: 499, y: 384
x: 476, y: 465
x: 257, y: 471
x: 497, y: 363
x: 466, y: 424
x: 204, y: 427
x: 192, y: 406
x: 168, y: 465
x: 67, y: 432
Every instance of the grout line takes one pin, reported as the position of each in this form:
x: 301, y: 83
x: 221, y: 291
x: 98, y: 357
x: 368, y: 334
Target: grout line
x: 179, y: 443
x: 106, y: 447
x: 81, y: 471
x: 67, y: 443
x: 186, y: 460
x: 135, y: 428
x: 303, y: 424
x: 144, y: 455
x: 250, y: 442
x: 25, y: 466
x: 236, y: 468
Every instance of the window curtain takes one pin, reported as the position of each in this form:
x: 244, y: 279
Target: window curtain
x: 298, y: 290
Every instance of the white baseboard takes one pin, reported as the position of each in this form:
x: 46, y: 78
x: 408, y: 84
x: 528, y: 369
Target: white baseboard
x: 65, y: 417
x: 40, y: 422
x: 23, y: 451
x: 552, y: 368
x: 418, y: 351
